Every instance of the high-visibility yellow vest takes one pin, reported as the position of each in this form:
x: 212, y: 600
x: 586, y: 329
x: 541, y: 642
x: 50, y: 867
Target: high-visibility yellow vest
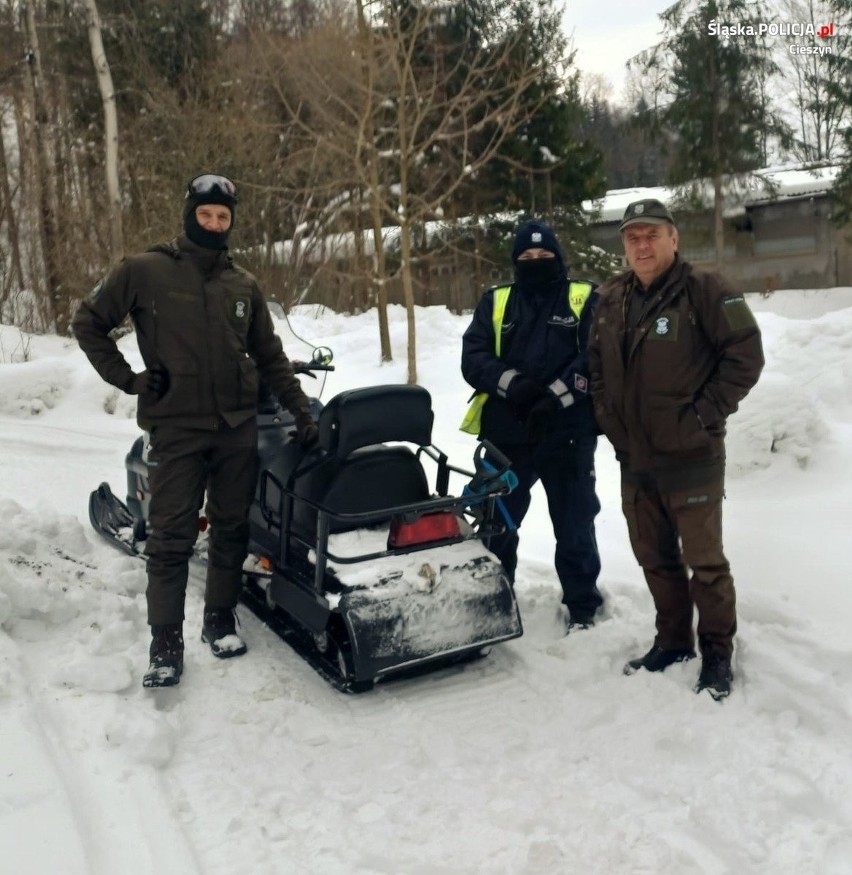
x: 578, y: 294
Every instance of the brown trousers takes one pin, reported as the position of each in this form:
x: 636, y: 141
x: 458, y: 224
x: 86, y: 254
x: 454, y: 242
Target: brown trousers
x: 188, y: 462
x: 672, y: 530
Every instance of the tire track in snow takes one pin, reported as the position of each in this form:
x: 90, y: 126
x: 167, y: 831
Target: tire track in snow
x: 71, y: 717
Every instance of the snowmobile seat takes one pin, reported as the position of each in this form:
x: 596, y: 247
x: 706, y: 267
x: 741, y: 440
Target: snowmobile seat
x: 375, y: 415
x: 358, y: 474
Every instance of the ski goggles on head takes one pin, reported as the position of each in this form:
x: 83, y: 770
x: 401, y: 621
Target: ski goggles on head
x: 211, y: 183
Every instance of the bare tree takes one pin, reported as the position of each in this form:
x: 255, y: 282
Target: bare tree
x: 422, y: 120
x: 368, y: 158
x: 815, y: 84
x: 13, y: 272
x: 107, y: 91
x: 45, y: 177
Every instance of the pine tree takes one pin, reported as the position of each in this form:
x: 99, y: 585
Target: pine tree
x: 709, y: 91
x: 841, y: 90
x: 546, y: 166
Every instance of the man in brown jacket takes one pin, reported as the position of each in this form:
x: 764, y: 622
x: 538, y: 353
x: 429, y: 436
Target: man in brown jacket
x: 204, y: 332
x: 673, y: 352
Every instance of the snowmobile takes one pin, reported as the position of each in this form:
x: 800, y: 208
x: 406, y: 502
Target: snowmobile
x: 353, y: 560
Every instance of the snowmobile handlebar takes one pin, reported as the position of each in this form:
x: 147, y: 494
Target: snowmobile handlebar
x: 308, y: 368
x: 320, y: 360
x: 493, y: 474
x: 502, y: 462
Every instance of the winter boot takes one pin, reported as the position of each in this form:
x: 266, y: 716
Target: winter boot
x: 166, y: 656
x: 658, y: 659
x: 579, y: 620
x: 220, y: 632
x: 716, y: 675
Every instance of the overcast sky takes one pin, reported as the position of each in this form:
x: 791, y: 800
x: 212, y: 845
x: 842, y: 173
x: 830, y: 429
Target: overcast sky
x: 608, y: 32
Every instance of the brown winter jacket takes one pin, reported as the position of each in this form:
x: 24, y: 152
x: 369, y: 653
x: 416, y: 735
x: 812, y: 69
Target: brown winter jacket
x: 694, y: 355
x: 205, y: 321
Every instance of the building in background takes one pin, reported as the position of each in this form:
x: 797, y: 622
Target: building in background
x: 778, y: 231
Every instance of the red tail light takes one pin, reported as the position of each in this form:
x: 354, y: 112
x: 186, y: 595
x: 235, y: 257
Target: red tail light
x: 430, y: 527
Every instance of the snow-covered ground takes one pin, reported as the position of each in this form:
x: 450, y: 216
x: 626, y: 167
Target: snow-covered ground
x: 541, y: 758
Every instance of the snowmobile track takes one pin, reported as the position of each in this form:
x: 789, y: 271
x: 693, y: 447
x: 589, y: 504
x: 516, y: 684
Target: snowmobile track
x: 254, y: 598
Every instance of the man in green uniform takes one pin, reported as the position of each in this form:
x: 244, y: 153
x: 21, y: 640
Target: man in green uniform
x: 673, y: 352
x: 205, y: 334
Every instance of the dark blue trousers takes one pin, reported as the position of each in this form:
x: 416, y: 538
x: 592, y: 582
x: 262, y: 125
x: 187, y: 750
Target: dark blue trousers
x: 566, y: 468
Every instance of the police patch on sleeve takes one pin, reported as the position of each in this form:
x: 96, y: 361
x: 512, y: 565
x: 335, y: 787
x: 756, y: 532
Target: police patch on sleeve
x: 737, y: 313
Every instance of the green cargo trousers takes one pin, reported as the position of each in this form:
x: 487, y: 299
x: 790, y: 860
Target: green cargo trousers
x: 186, y: 463
x: 672, y: 530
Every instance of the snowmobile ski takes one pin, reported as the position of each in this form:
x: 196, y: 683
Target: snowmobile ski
x: 111, y: 518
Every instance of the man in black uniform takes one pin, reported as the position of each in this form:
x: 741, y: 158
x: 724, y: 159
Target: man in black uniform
x: 525, y: 354
x: 204, y: 332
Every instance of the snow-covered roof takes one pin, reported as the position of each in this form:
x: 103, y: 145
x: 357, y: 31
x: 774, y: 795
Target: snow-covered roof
x: 769, y: 184
x: 611, y: 207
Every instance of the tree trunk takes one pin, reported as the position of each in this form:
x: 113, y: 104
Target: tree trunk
x: 15, y: 270
x: 477, y: 251
x: 716, y: 145
x: 718, y: 222
x: 369, y: 142
x: 110, y: 128
x: 408, y: 291
x: 59, y: 311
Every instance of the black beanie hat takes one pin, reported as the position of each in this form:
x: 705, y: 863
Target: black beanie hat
x: 536, y: 235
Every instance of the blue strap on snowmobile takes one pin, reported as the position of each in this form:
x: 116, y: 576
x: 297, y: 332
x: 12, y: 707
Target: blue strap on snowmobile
x: 482, y: 484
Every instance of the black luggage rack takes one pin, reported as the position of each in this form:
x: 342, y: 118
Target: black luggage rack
x: 481, y: 505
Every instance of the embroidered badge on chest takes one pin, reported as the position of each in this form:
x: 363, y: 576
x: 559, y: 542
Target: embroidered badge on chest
x: 664, y: 328
x: 240, y: 309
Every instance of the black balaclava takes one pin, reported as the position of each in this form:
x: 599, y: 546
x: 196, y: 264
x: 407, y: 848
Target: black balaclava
x: 538, y: 275
x: 201, y: 236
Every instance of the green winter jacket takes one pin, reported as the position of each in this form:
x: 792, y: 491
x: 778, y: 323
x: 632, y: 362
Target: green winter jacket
x: 204, y: 320
x: 694, y: 355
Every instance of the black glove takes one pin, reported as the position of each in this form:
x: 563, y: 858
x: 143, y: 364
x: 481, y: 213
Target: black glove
x: 307, y: 433
x: 522, y: 394
x: 158, y: 381
x: 154, y: 381
x: 538, y: 420
x: 307, y: 437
